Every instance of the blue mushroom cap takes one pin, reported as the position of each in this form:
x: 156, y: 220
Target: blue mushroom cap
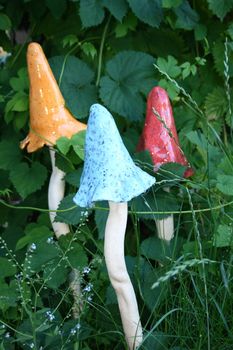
x: 109, y: 172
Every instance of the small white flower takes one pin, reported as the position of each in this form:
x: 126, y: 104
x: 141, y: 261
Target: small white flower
x: 50, y: 315
x: 32, y: 345
x: 50, y: 240
x: 88, y: 288
x: 7, y: 335
x: 86, y: 270
x: 32, y: 247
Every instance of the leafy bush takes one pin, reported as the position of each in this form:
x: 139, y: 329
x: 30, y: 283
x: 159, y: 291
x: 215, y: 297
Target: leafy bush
x: 114, y: 52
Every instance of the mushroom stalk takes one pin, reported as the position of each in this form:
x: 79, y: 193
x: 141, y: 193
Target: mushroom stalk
x: 55, y: 195
x: 165, y: 227
x: 119, y: 277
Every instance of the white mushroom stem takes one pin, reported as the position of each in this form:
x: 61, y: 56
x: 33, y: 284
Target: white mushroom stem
x: 165, y: 227
x: 55, y: 195
x: 120, y: 280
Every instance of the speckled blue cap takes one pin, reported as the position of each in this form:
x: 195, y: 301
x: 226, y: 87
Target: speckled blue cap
x: 109, y: 172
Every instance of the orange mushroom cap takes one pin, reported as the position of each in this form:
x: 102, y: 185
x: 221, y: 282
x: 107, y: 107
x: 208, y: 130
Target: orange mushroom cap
x: 49, y: 118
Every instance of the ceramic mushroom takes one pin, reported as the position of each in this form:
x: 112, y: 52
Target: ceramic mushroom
x: 160, y: 138
x: 49, y: 120
x: 110, y: 174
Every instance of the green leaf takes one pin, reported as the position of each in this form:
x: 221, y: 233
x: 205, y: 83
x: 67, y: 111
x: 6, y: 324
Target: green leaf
x: 128, y: 23
x: 9, y: 295
x: 187, y: 18
x: 63, y: 144
x: 101, y: 218
x: 76, y: 83
x: 21, y: 82
x: 225, y: 184
x: 78, y: 141
x: 5, y: 22
x: 18, y: 103
x: 63, y: 163
x: 172, y: 90
x: 10, y: 155
x: 73, y: 216
x: 161, y: 201
x: 172, y: 170
x: 35, y: 235
x: 70, y: 40
x: 171, y: 3
x: 148, y: 11
x: 73, y: 178
x: 224, y: 236
x: 117, y: 8
x: 169, y: 66
x: 28, y: 179
x: 91, y: 12
x: 41, y: 253
x: 219, y: 58
x: 156, y: 249
x: 220, y: 8
x: 7, y: 268
x: 55, y: 273
x: 151, y: 297
x: 57, y: 7
x: 129, y: 74
x: 216, y: 104
x: 77, y: 256
x: 89, y: 49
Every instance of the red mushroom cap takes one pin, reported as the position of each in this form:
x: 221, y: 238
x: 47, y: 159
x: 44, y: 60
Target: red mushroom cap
x: 159, y: 135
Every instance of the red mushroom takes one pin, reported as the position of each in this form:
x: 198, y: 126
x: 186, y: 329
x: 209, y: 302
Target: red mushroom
x: 160, y: 138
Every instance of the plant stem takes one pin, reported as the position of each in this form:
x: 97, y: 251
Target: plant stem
x: 101, y: 51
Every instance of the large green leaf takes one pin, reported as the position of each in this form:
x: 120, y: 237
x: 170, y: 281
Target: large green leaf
x: 55, y: 273
x: 91, y: 12
x: 7, y: 268
x: 35, y: 235
x: 40, y: 254
x: 187, y: 18
x: 77, y: 256
x: 216, y: 103
x: 10, y: 155
x: 161, y: 202
x: 128, y: 74
x: 28, y: 179
x: 220, y: 7
x: 148, y: 11
x: 225, y: 184
x: 73, y: 216
x: 117, y: 8
x: 157, y: 249
x: 219, y: 58
x: 75, y: 79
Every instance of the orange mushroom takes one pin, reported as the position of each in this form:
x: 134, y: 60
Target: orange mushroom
x: 49, y: 118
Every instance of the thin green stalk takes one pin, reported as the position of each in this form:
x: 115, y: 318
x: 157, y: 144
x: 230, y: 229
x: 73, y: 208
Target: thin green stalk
x: 101, y: 51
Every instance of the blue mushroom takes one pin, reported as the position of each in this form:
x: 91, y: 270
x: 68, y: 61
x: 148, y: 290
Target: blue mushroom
x: 109, y: 171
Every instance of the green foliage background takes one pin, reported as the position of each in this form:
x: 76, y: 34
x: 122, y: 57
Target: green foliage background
x: 114, y: 52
